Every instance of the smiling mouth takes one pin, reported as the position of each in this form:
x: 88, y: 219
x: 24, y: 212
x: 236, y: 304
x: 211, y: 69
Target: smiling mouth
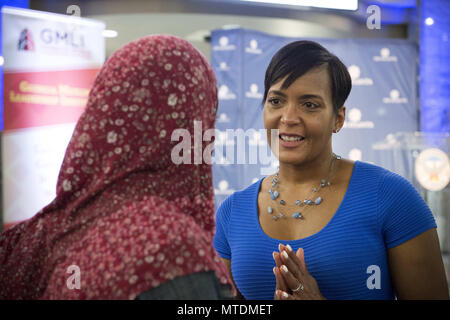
x: 291, y: 138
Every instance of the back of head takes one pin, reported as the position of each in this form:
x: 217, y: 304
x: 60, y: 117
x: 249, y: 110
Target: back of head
x: 145, y: 91
x: 120, y: 156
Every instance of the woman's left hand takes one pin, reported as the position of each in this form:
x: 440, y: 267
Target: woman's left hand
x: 291, y: 270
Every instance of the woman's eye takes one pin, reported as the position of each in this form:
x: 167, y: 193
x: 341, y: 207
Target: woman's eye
x: 274, y: 101
x: 311, y: 105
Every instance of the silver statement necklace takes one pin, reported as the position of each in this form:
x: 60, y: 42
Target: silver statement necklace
x: 311, y: 201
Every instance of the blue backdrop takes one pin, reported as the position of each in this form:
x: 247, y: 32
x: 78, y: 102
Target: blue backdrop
x: 383, y: 100
x: 435, y: 66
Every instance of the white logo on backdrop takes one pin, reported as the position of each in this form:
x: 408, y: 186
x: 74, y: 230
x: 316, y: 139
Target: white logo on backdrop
x: 253, y: 48
x: 223, y: 118
x: 253, y: 93
x: 225, y: 93
x: 224, y: 45
x: 355, y: 154
x: 355, y: 73
x: 385, y: 56
x: 354, y: 117
x: 394, y: 97
x: 223, y: 66
x: 223, y: 188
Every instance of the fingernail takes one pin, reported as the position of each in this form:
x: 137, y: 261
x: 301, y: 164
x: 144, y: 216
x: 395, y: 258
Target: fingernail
x: 279, y: 247
x: 285, y: 254
x: 273, y: 270
x: 285, y: 295
x: 285, y: 269
x: 289, y: 248
x: 273, y: 255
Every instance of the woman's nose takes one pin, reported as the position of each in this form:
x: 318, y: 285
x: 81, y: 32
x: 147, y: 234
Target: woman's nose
x: 290, y: 115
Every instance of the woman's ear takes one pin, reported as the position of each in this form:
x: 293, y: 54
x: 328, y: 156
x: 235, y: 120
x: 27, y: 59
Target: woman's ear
x: 340, y: 118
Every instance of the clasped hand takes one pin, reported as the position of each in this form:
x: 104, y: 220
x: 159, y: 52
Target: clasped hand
x: 294, y: 282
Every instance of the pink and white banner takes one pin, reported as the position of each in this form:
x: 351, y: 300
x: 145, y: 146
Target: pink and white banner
x: 51, y: 61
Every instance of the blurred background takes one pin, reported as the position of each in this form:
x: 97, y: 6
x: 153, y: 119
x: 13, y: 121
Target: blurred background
x: 397, y: 52
x: 193, y: 20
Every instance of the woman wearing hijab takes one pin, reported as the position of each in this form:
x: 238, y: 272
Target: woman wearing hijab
x: 126, y: 222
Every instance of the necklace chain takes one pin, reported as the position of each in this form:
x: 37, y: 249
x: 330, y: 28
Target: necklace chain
x: 302, y: 204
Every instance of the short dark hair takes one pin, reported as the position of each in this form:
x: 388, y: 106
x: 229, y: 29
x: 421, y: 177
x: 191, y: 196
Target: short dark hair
x: 297, y: 58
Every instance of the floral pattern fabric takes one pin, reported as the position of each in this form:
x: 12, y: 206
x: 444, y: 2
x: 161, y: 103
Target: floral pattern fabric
x: 125, y: 214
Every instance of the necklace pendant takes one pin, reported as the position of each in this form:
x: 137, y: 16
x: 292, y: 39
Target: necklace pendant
x: 298, y: 202
x: 274, y: 194
x: 282, y: 202
x: 269, y: 210
x: 318, y: 201
x: 274, y: 182
x: 297, y: 215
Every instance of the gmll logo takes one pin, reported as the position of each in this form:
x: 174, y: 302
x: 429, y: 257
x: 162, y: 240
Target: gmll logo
x: 60, y: 38
x: 26, y: 41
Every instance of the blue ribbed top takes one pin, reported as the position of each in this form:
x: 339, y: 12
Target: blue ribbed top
x: 348, y: 257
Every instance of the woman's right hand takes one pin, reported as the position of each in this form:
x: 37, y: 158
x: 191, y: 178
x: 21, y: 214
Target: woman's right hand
x: 281, y: 284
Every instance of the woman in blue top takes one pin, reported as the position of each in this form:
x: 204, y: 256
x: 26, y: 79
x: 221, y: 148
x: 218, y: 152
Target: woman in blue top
x: 350, y: 230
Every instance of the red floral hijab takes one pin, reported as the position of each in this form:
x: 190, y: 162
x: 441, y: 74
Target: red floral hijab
x: 125, y: 216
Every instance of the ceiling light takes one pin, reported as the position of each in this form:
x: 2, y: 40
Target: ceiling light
x: 429, y: 21
x: 110, y: 33
x: 329, y: 4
